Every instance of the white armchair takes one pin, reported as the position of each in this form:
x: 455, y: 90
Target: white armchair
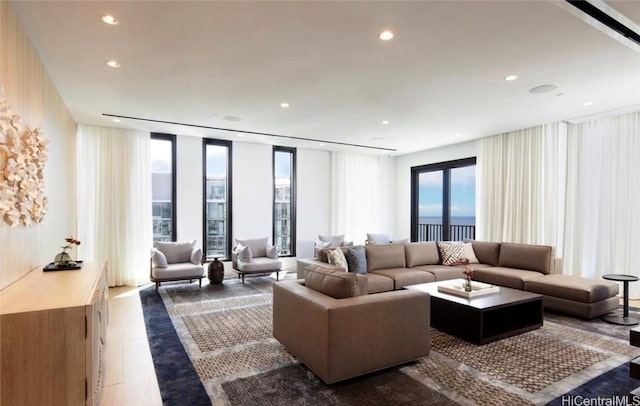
x: 255, y: 256
x: 175, y: 261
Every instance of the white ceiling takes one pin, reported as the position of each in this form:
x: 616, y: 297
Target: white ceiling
x: 439, y: 81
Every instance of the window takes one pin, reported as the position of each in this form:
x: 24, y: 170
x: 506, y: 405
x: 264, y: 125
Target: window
x: 443, y: 199
x: 163, y: 186
x: 284, y: 200
x: 217, y: 199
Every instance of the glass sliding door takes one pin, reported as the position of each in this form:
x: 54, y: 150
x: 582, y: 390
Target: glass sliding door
x: 163, y: 186
x: 443, y: 201
x: 284, y: 210
x: 217, y: 199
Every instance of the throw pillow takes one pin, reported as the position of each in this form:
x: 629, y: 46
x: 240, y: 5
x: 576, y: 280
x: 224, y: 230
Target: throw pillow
x: 333, y: 240
x: 176, y: 252
x: 451, y: 253
x: 357, y: 260
x: 272, y: 252
x: 336, y: 257
x: 319, y: 244
x: 158, y: 259
x: 258, y: 246
x: 196, y: 256
x: 470, y: 254
x: 378, y: 239
x: 244, y: 253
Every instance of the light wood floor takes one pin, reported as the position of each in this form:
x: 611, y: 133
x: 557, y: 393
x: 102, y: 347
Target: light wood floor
x: 130, y: 377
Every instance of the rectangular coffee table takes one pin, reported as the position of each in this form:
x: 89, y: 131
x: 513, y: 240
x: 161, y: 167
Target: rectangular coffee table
x: 483, y: 319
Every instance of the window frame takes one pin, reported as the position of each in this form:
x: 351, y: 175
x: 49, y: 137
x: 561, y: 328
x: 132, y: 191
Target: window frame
x: 174, y: 195
x: 292, y: 197
x: 446, y: 168
x: 229, y: 196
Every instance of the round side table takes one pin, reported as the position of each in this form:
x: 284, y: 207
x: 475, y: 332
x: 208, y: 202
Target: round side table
x: 624, y: 320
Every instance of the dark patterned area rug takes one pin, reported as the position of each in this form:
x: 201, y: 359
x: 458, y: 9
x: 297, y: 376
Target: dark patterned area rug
x: 215, y: 346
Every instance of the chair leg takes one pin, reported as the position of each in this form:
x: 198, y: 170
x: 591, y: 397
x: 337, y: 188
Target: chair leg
x: 277, y: 276
x: 242, y: 278
x: 157, y: 285
x: 200, y: 283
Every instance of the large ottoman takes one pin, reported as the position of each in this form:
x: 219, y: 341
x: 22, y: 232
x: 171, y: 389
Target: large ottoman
x: 574, y: 295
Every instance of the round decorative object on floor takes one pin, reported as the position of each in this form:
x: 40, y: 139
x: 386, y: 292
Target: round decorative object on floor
x: 216, y: 272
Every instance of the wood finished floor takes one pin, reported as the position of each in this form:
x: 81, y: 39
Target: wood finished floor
x: 130, y: 378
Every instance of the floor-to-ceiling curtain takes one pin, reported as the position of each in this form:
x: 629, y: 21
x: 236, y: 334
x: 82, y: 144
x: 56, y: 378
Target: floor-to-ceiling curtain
x: 521, y: 185
x: 114, y: 201
x: 602, y: 227
x: 354, y: 196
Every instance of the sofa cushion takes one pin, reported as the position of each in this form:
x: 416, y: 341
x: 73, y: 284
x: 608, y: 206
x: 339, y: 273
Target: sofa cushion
x: 404, y: 276
x: 421, y: 253
x: 573, y: 288
x: 333, y: 240
x: 385, y: 256
x: 258, y: 245
x: 451, y: 253
x: 335, y: 283
x: 442, y: 272
x: 259, y: 264
x: 357, y: 259
x: 244, y: 253
x: 378, y: 283
x: 178, y: 271
x: 526, y: 256
x: 196, y: 256
x: 322, y: 254
x: 158, y: 259
x: 272, y: 252
x: 509, y: 277
x: 487, y: 252
x: 378, y: 238
x: 176, y: 252
x: 336, y: 257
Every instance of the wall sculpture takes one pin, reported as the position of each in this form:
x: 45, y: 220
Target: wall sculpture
x: 23, y: 153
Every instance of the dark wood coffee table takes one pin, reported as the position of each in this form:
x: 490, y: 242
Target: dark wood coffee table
x: 483, y: 319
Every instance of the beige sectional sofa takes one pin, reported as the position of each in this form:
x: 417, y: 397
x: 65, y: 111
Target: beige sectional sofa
x: 520, y: 266
x: 330, y: 323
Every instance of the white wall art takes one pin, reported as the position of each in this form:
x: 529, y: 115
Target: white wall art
x: 23, y: 154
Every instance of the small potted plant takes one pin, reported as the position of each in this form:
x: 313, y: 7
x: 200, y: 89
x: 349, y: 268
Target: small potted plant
x: 63, y: 258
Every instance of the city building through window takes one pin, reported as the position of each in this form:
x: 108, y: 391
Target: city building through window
x: 217, y: 199
x: 284, y: 223
x: 163, y: 186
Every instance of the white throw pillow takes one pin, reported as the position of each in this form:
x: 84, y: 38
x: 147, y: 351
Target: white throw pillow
x: 378, y: 238
x: 258, y: 246
x: 333, y: 240
x: 244, y: 253
x: 196, y: 256
x: 158, y: 259
x: 319, y: 244
x: 176, y: 252
x: 336, y: 257
x: 272, y: 252
x: 470, y: 254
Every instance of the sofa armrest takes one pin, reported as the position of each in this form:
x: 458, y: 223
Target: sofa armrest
x: 342, y: 338
x: 302, y: 263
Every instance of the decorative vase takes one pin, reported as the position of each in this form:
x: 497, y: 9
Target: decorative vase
x: 216, y: 272
x: 62, y: 258
x: 467, y: 285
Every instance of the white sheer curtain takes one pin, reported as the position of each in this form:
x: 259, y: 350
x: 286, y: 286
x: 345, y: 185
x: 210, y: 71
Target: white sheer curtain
x: 114, y: 201
x: 354, y: 196
x: 521, y: 186
x: 603, y: 198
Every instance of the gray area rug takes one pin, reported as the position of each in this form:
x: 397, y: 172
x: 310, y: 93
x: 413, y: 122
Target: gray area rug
x: 226, y: 331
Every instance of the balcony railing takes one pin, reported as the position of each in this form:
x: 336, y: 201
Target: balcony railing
x: 433, y: 232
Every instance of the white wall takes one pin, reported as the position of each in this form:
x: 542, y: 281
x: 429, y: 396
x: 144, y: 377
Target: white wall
x: 387, y: 198
x: 404, y: 163
x: 189, y: 189
x: 313, y: 194
x: 33, y: 96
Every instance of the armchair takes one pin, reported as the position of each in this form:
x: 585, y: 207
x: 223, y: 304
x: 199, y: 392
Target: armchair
x: 255, y: 256
x: 175, y: 261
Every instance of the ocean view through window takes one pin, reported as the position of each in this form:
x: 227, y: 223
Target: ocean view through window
x: 443, y: 201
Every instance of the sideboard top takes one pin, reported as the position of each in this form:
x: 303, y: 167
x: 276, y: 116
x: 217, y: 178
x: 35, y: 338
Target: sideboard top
x: 40, y: 290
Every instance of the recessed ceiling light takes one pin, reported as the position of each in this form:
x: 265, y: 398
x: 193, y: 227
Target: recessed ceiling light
x: 284, y: 105
x: 458, y: 134
x: 386, y: 35
x: 116, y: 120
x: 113, y: 64
x: 587, y: 104
x: 111, y: 20
x: 240, y: 135
x: 385, y: 122
x: 510, y: 78
x: 321, y: 144
x: 543, y: 89
x: 560, y: 94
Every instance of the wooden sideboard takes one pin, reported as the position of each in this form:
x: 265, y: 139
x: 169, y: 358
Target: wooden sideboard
x: 52, y: 337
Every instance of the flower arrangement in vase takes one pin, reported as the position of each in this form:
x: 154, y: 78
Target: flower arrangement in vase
x: 468, y: 274
x: 63, y: 258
